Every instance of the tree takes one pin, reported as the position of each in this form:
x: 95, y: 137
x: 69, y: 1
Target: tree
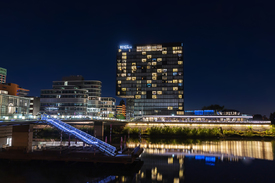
x: 272, y: 118
x: 120, y: 116
x: 213, y: 107
x: 122, y: 102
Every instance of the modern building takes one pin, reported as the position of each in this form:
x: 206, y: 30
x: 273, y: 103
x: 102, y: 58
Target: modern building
x: 13, y: 106
x: 34, y: 105
x: 14, y: 89
x: 72, y: 96
x: 150, y: 77
x: 108, y: 107
x: 121, y: 109
x: 3, y: 75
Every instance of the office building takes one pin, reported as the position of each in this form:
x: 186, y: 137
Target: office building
x: 108, y: 107
x: 150, y: 77
x: 13, y: 106
x: 72, y: 96
x: 3, y: 75
x: 14, y: 89
x: 121, y: 109
x: 34, y: 105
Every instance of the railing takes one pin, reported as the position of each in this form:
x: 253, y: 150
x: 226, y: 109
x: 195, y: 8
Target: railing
x: 104, y: 147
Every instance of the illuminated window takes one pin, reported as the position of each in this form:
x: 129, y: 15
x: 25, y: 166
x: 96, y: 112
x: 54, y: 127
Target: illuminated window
x: 118, y: 64
x: 118, y: 82
x: 124, y: 64
x: 175, y: 88
x: 143, y: 60
x: 123, y: 74
x: 144, y: 53
x: 180, y: 108
x: 159, y: 59
x: 178, y: 51
x: 159, y: 92
x: 149, y: 56
x: 154, y: 92
x: 149, y: 63
x: 180, y: 96
x: 149, y: 81
x: 133, y: 78
x: 143, y: 93
x: 124, y: 61
x: 138, y: 96
x: 154, y: 63
x: 148, y: 67
x: 124, y: 57
x: 170, y: 108
x: 180, y: 62
x: 119, y: 50
x: 180, y: 92
x: 175, y: 81
x: 134, y: 67
x: 128, y: 78
x: 154, y: 85
x: 154, y: 96
x: 159, y: 70
x: 124, y: 68
x: 180, y: 112
x: 170, y: 82
x: 123, y: 89
x: 164, y: 70
x: 138, y: 81
x: 118, y: 92
x: 164, y: 88
x: 154, y: 74
x: 180, y: 80
x: 124, y: 53
x: 134, y: 63
x: 175, y: 70
x: 154, y: 78
x: 164, y: 52
x: 164, y: 77
x: 118, y: 61
x: 119, y: 68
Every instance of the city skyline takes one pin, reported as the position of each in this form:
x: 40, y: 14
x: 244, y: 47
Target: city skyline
x: 227, y: 62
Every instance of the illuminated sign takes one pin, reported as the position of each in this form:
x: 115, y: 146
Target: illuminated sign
x: 125, y: 47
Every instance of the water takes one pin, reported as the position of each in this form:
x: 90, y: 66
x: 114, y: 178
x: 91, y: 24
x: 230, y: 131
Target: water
x: 162, y: 161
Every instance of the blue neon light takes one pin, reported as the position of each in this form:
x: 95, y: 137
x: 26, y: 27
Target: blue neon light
x: 210, y: 164
x: 211, y: 159
x: 123, y: 47
x: 199, y: 157
x: 198, y: 112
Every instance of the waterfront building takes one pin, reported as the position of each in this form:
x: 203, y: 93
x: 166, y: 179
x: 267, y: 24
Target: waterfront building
x: 150, y: 77
x: 225, y: 112
x: 12, y: 106
x: 14, y: 89
x: 34, y: 105
x: 108, y: 107
x: 3, y: 75
x: 72, y: 96
x: 121, y: 109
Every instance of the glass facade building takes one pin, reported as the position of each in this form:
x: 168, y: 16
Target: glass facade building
x: 150, y: 77
x: 3, y: 75
x: 72, y: 96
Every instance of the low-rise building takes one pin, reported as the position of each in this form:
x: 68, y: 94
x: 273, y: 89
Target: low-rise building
x: 108, y: 107
x: 14, y: 89
x: 34, y: 105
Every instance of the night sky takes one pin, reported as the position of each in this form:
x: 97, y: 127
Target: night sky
x: 228, y: 45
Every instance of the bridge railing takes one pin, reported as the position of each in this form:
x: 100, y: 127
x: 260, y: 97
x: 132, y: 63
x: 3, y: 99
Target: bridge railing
x: 109, y: 149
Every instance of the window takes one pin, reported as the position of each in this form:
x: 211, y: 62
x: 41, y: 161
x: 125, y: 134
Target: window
x: 124, y: 57
x: 123, y: 74
x: 180, y: 92
x: 148, y: 67
x: 154, y: 78
x: 123, y: 89
x: 133, y: 78
x: 154, y: 74
x: 159, y: 70
x: 180, y: 108
x: 138, y: 81
x: 175, y: 88
x: 159, y: 92
x: 118, y: 93
x: 143, y: 60
x: 149, y: 81
x: 154, y: 85
x: 170, y: 82
x: 138, y: 96
x: 177, y: 51
x: 180, y: 62
x: 128, y: 78
x: 154, y: 96
x: 164, y: 52
x: 134, y: 63
x: 149, y: 56
x: 164, y: 70
x: 180, y: 112
x: 124, y: 53
x: 170, y: 108
x: 118, y: 82
x: 180, y: 80
x: 164, y: 88
x: 134, y: 67
x: 175, y: 81
x: 175, y: 70
x: 143, y: 93
x: 180, y: 96
x: 159, y: 59
x: 144, y: 53
x: 154, y: 63
x: 154, y: 92
x: 119, y: 50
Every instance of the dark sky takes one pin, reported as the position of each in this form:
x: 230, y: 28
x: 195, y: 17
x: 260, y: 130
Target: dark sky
x: 228, y: 45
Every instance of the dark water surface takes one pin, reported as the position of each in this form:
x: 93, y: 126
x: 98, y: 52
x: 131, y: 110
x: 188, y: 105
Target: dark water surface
x: 162, y: 161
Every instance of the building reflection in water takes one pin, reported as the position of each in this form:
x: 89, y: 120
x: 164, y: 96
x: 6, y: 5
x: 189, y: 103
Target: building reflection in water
x: 165, y: 162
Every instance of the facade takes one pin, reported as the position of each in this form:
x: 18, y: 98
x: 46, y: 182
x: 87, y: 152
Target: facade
x: 150, y: 77
x: 225, y: 112
x: 14, y: 89
x: 13, y: 106
x: 121, y: 109
x: 3, y: 75
x: 72, y: 96
x: 34, y: 105
x: 108, y: 107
